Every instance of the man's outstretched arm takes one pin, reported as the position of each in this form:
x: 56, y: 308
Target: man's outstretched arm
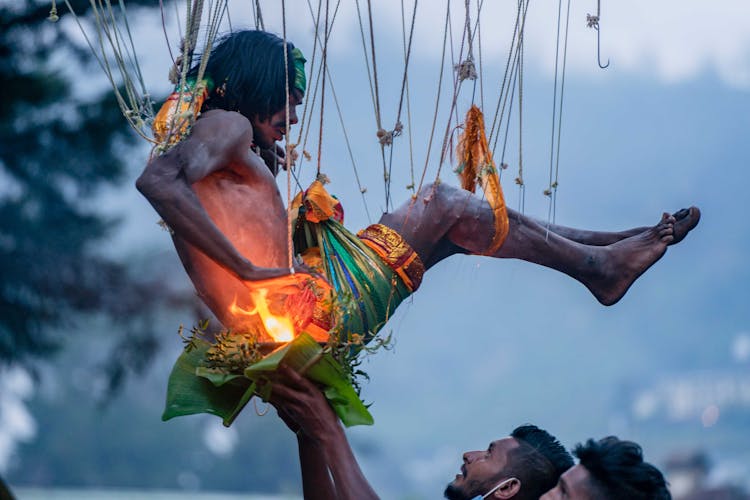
x: 316, y: 479
x: 218, y: 139
x: 302, y: 402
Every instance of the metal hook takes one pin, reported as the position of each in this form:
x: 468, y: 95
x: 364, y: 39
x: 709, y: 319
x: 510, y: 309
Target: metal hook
x: 598, y: 50
x: 593, y: 22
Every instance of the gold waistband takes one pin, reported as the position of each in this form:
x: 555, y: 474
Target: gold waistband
x: 396, y: 252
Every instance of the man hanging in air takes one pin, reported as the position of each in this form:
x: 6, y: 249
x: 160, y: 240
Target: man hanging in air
x: 229, y: 224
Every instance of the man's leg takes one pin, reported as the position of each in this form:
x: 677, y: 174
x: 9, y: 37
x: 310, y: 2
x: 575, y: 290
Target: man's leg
x: 685, y: 220
x: 443, y: 221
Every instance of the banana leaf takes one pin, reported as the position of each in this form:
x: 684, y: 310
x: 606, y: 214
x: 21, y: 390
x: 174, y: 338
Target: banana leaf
x: 188, y: 394
x: 306, y: 356
x: 193, y: 388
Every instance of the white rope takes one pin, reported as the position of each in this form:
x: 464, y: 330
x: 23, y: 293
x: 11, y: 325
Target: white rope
x: 288, y: 155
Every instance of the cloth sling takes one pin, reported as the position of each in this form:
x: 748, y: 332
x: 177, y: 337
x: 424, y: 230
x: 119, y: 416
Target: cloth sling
x: 371, y: 273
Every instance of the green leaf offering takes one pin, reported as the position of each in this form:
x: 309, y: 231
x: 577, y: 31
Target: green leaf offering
x: 307, y: 357
x: 194, y: 388
x: 188, y: 394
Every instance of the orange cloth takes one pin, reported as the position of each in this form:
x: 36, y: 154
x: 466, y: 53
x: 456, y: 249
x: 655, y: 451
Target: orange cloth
x: 476, y: 166
x: 174, y: 119
x: 304, y: 299
x: 319, y: 205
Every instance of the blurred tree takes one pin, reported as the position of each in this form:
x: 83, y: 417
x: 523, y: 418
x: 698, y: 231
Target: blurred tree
x: 56, y: 153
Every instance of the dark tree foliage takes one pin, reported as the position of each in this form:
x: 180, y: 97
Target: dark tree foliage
x: 55, y: 154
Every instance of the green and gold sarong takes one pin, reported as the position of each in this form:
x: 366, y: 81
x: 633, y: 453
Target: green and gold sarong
x: 371, y: 273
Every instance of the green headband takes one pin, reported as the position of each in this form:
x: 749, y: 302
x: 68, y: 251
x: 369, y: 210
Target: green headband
x: 300, y: 81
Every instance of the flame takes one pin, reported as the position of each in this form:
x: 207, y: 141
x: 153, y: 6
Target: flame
x: 279, y: 328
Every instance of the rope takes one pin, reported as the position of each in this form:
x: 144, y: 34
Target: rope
x: 305, y: 124
x: 398, y: 127
x: 512, y: 94
x: 559, y: 125
x: 437, y: 106
x: 408, y: 98
x: 383, y: 136
x: 506, y: 97
x: 259, y: 24
x: 381, y: 133
x: 133, y: 111
x: 367, y: 57
x: 551, y: 190
x: 318, y: 79
x: 548, y: 191
x: 312, y: 69
x: 362, y: 189
x: 456, y: 89
x: 508, y: 70
x: 374, y: 67
x: 349, y: 148
x: 478, y: 32
x: 164, y: 29
x: 519, y: 179
x: 131, y: 55
x: 324, y: 63
x: 287, y: 155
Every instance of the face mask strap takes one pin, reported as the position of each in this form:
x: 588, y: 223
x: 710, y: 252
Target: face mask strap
x: 498, y: 486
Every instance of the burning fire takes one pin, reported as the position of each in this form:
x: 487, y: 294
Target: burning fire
x: 280, y: 328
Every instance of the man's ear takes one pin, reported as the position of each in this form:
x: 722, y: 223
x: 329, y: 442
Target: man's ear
x: 509, y: 489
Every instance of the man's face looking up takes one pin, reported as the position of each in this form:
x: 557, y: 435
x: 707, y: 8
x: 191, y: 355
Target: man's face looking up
x: 574, y: 484
x: 481, y: 470
x: 267, y: 132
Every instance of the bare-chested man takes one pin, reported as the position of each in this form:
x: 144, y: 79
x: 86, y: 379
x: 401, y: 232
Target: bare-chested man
x: 228, y: 219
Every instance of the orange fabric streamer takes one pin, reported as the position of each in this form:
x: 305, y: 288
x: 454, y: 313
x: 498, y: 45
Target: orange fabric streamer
x: 319, y: 205
x: 476, y: 166
x: 173, y: 121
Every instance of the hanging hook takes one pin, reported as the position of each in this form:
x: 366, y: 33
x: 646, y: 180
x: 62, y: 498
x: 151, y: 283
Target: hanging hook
x: 593, y: 22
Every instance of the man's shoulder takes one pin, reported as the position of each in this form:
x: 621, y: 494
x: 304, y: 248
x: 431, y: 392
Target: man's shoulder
x: 221, y: 121
x: 219, y: 133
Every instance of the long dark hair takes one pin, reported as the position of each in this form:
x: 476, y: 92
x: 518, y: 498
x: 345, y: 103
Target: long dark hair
x: 247, y: 70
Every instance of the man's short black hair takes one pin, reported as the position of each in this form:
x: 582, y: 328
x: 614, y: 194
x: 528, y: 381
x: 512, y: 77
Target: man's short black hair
x: 538, y: 462
x: 618, y: 471
x: 247, y: 69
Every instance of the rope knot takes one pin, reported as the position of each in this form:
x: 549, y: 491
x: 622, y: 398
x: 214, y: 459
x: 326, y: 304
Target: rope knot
x: 397, y: 129
x: 174, y: 71
x: 385, y: 138
x: 292, y: 153
x: 466, y: 70
x: 53, y: 17
x: 592, y: 21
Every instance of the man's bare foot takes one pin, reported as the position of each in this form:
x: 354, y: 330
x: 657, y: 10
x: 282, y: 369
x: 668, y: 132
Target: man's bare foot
x: 685, y: 220
x: 626, y: 260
